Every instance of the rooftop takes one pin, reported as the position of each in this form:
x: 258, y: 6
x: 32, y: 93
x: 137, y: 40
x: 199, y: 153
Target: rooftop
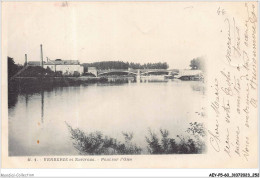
x: 34, y: 63
x: 62, y: 62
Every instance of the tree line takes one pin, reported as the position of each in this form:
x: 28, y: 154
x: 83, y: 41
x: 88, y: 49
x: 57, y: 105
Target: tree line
x: 105, y: 65
x: 195, y: 64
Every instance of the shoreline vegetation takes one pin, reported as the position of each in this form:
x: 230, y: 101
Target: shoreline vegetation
x: 23, y: 84
x: 105, y: 65
x: 26, y: 76
x: 96, y: 143
x: 23, y: 79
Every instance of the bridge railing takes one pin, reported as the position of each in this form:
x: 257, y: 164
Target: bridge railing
x: 137, y: 71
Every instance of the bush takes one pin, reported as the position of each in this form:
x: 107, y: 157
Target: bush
x: 194, y: 143
x: 37, y: 71
x: 12, y: 67
x: 197, y: 131
x: 97, y: 144
x: 87, y: 74
x: 164, y: 146
x: 154, y: 146
x: 76, y: 74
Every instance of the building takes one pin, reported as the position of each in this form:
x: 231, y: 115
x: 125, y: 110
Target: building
x: 33, y: 63
x: 184, y: 72
x: 66, y: 67
x: 190, y: 75
x: 92, y: 70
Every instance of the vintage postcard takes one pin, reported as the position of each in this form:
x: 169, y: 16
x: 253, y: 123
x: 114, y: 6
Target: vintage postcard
x: 129, y: 85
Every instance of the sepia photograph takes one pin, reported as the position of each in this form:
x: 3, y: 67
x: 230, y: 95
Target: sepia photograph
x: 65, y: 107
x: 97, y: 95
x: 173, y: 83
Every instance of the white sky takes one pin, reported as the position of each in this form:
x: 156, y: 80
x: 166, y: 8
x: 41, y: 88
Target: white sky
x: 89, y: 32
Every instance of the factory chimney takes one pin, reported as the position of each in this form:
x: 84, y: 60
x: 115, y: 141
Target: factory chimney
x: 25, y: 63
x: 41, y: 62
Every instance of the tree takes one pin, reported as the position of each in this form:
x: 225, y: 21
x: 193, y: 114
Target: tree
x: 12, y: 67
x: 125, y: 65
x: 197, y: 64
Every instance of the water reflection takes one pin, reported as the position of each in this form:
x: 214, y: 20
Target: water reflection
x: 138, y: 79
x: 198, y: 87
x: 12, y: 99
x: 122, y: 104
x: 121, y: 80
x: 42, y: 106
x: 26, y: 100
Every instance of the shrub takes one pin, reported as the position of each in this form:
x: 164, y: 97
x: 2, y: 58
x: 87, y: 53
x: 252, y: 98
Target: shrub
x: 96, y: 143
x: 76, y: 74
x: 164, y: 146
x: 154, y: 146
x: 197, y: 131
x: 194, y: 143
x: 37, y: 71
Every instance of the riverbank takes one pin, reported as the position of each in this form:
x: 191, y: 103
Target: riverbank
x: 35, y: 83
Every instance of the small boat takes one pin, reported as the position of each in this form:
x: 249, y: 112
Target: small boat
x: 191, y: 78
x: 169, y: 76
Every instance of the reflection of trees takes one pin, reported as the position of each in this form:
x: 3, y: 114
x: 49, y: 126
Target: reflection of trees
x: 12, y: 99
x: 198, y: 87
x: 42, y: 106
x: 123, y: 80
x: 118, y: 80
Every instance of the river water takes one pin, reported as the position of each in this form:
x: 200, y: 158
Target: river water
x: 37, y: 120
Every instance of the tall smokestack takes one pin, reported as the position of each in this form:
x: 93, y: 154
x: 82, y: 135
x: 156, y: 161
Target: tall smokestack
x: 41, y: 62
x: 25, y: 63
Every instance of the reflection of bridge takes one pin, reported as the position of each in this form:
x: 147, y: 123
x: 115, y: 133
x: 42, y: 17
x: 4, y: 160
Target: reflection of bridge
x: 136, y: 72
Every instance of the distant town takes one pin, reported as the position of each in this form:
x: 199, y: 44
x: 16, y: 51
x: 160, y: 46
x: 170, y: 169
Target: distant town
x: 73, y: 68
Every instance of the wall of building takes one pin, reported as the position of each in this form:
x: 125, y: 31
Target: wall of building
x: 66, y: 69
x: 189, y: 72
x: 93, y: 70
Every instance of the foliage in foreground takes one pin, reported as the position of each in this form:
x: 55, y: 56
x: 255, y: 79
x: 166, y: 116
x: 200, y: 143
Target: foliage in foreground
x: 192, y: 144
x: 96, y: 143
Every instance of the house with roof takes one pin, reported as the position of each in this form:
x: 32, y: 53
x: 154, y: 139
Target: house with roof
x: 66, y: 67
